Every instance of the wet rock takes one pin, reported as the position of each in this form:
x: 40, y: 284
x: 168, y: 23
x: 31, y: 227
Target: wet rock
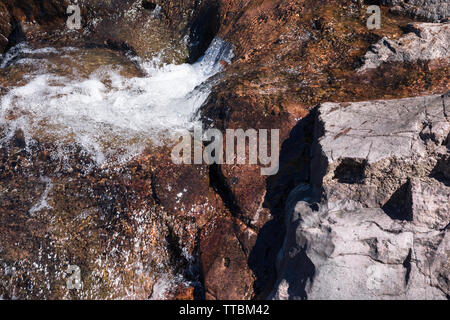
x: 144, y: 28
x: 134, y: 25
x: 5, y: 27
x: 104, y: 220
x: 425, y: 41
x: 226, y: 274
x: 29, y: 20
x: 194, y: 201
x: 374, y: 222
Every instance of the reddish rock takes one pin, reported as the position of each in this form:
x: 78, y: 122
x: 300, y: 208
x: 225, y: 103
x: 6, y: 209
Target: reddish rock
x: 5, y: 26
x: 225, y: 245
x: 223, y: 63
x: 184, y: 293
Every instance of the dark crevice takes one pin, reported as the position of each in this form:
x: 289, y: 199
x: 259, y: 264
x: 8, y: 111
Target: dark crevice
x: 399, y: 206
x: 220, y: 185
x: 154, y: 194
x: 148, y: 5
x: 196, y: 271
x: 16, y: 36
x: 190, y: 269
x: 407, y: 266
x: 203, y: 29
x: 441, y: 171
x: 444, y: 109
x: 373, y: 2
x: 295, y: 162
x: 306, y: 273
x: 119, y: 46
x: 351, y: 171
x: 373, y: 245
x: 176, y: 257
x: 19, y: 139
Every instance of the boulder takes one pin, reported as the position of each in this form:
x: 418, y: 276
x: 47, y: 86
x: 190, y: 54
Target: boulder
x: 351, y: 252
x: 368, y: 150
x: 423, y: 42
x: 373, y: 224
x: 431, y: 10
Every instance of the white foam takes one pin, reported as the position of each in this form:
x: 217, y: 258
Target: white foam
x: 107, y: 113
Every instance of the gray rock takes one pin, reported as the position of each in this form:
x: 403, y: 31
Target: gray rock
x: 431, y: 10
x: 367, y: 151
x: 430, y: 203
x: 360, y: 253
x: 425, y: 41
x: 374, y: 223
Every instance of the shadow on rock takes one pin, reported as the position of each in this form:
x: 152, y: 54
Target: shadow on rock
x: 294, y: 170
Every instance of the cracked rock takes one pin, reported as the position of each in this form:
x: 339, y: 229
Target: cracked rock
x: 373, y: 224
x: 424, y: 41
x: 431, y: 10
x: 341, y: 252
x: 368, y: 151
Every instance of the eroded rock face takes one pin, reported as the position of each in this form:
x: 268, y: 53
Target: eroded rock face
x: 374, y: 223
x: 431, y: 10
x: 108, y: 221
x: 424, y: 42
x: 360, y: 253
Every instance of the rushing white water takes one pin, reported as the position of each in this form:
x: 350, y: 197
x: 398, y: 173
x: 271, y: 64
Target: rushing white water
x: 106, y: 112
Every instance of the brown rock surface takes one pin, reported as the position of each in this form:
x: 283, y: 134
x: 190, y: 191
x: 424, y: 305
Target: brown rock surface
x: 5, y: 26
x: 144, y: 27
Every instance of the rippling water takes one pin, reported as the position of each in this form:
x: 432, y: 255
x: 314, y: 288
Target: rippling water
x: 113, y: 106
x: 94, y: 99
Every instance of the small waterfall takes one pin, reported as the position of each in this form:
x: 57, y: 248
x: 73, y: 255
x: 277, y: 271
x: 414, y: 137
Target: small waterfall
x: 218, y: 51
x: 108, y: 114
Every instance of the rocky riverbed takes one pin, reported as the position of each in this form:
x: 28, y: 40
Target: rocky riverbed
x: 359, y: 206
